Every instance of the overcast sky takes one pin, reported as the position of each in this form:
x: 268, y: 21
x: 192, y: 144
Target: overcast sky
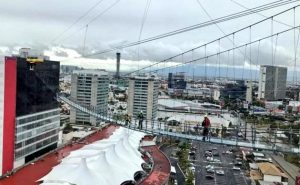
x: 35, y: 24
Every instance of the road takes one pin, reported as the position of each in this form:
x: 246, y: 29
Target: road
x: 291, y: 170
x: 231, y: 177
x: 174, y: 162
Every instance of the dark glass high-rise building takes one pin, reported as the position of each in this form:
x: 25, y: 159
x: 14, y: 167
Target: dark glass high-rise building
x: 176, y: 81
x: 36, y: 89
x: 29, y: 112
x: 37, y: 110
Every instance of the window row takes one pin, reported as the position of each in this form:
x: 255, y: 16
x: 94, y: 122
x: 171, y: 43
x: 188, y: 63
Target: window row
x: 37, y: 124
x: 38, y: 131
x: 35, y: 147
x: 21, y: 121
x: 35, y: 139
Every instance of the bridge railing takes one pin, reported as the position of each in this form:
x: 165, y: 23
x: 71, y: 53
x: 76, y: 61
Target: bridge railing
x: 237, y: 135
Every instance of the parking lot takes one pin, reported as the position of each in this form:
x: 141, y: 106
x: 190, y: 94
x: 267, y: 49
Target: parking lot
x: 221, y: 168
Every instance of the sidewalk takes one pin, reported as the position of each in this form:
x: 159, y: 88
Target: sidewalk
x: 291, y: 170
x: 161, y: 167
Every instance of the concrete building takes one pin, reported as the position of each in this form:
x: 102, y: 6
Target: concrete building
x: 176, y: 81
x: 249, y: 96
x: 143, y: 95
x: 30, y: 116
x: 272, y: 83
x: 270, y: 174
x: 234, y: 91
x: 89, y: 88
x: 216, y: 95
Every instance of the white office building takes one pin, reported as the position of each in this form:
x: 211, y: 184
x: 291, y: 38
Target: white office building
x: 90, y: 89
x: 272, y: 82
x: 143, y: 95
x: 249, y: 96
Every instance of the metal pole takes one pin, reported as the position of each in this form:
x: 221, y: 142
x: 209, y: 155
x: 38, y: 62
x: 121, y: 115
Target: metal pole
x: 222, y: 130
x: 255, y: 139
x: 238, y: 129
x: 252, y: 135
x: 245, y: 130
x: 274, y: 145
x: 299, y: 137
x: 153, y: 122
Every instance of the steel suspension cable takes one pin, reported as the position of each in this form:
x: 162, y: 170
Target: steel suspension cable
x: 197, y: 26
x: 237, y: 47
x: 239, y: 30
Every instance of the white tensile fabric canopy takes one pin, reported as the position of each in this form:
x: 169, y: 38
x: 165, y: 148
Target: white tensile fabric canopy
x: 110, y: 161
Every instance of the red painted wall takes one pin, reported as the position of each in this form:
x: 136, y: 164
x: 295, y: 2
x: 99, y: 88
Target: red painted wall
x: 297, y: 180
x: 9, y: 113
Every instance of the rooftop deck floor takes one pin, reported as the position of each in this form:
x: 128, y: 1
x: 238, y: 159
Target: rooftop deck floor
x: 30, y: 174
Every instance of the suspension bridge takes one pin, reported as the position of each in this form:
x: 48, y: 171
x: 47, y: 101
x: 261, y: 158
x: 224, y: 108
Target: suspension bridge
x: 161, y: 128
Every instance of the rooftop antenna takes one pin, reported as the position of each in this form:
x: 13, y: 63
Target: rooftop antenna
x: 118, y: 54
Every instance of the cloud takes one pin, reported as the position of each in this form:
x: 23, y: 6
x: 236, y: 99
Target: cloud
x: 25, y: 25
x: 109, y: 64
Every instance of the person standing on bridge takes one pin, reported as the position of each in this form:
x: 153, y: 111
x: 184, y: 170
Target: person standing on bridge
x: 206, y: 125
x: 127, y: 119
x: 141, y: 119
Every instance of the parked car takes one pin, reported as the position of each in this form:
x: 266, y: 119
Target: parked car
x: 208, y: 155
x: 216, y: 160
x: 209, y: 177
x: 227, y: 152
x: 220, y: 172
x: 175, y: 182
x: 238, y: 159
x: 215, y: 153
x: 193, y: 148
x: 238, y: 163
x: 236, y: 168
x: 209, y: 167
x: 192, y: 168
x: 210, y: 170
x: 209, y: 159
x: 192, y: 152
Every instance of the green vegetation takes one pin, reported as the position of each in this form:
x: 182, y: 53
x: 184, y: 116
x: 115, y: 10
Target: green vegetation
x: 190, y: 178
x: 118, y: 117
x: 68, y: 128
x: 223, y: 131
x: 183, y: 155
x: 218, y: 131
x: 293, y: 158
x: 258, y: 103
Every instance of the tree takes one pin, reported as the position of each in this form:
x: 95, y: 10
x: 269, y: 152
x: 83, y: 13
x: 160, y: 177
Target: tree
x: 296, y: 140
x: 68, y: 128
x: 217, y: 131
x: 121, y: 108
x: 190, y: 178
x: 183, y: 156
x: 290, y: 110
x: 281, y: 107
x: 223, y: 132
x: 258, y: 103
